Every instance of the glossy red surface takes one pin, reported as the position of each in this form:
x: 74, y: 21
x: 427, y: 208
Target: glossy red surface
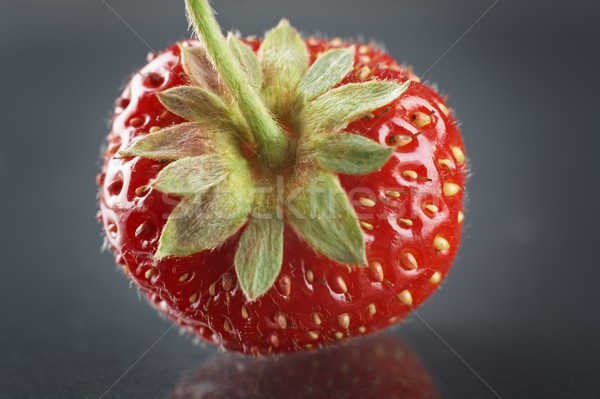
x: 314, y: 301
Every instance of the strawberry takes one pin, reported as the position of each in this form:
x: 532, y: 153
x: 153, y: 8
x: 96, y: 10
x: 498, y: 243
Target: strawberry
x: 374, y: 367
x: 278, y: 195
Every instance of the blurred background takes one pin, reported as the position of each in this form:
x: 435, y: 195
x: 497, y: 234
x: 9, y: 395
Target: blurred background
x: 517, y: 317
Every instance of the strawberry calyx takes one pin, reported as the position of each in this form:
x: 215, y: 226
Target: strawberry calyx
x: 292, y: 116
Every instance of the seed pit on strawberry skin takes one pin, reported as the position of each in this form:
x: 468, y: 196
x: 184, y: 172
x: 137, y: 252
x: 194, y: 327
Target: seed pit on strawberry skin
x: 122, y: 103
x: 145, y: 230
x: 137, y: 122
x: 112, y: 229
x: 115, y: 187
x: 153, y: 80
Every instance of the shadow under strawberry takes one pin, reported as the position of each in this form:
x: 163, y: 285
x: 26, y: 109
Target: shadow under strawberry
x: 381, y: 366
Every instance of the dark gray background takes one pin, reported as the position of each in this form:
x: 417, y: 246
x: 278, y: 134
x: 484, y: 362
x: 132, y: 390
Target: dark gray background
x: 521, y: 305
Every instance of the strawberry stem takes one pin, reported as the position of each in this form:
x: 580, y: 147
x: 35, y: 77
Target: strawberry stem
x: 270, y: 139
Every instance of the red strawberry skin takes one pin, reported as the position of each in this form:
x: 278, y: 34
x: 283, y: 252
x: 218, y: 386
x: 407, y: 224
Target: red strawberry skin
x: 412, y: 218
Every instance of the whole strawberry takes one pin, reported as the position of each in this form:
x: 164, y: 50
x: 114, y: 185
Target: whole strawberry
x: 281, y: 194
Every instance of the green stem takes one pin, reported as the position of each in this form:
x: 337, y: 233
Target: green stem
x: 270, y: 138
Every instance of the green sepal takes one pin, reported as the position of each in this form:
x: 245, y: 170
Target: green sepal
x: 204, y: 221
x: 259, y: 256
x: 200, y: 70
x: 335, y: 109
x: 346, y: 153
x: 284, y: 58
x: 191, y: 176
x: 319, y: 211
x: 194, y: 104
x: 247, y: 59
x: 326, y: 72
x: 178, y: 141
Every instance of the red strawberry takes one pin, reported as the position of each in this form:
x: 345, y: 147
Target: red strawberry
x: 304, y: 192
x: 375, y: 367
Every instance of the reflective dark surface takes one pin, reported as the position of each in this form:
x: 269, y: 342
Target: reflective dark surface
x: 520, y: 305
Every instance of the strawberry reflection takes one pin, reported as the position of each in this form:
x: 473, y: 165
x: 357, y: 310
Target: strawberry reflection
x: 375, y: 367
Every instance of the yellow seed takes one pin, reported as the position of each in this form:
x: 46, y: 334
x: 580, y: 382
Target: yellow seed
x: 459, y: 155
x: 440, y: 243
x: 365, y: 59
x: 336, y: 41
x: 451, y: 189
x: 363, y: 73
x: 362, y: 329
x: 411, y: 174
x: 154, y: 129
x: 372, y: 309
x: 339, y: 335
x: 408, y: 260
x: 406, y: 297
x: 245, y: 314
x: 142, y: 190
x: 341, y: 284
x: 183, y: 277
x: 317, y: 319
x: 421, y: 119
x: 400, y: 140
x: 366, y: 225
x: 393, y: 194
x: 444, y: 109
x: 377, y: 270
x: 281, y: 320
x: 446, y: 162
x: 415, y: 78
x: 369, y: 203
x: 363, y: 49
x: 308, y: 346
x: 435, y: 278
x: 313, y: 335
x: 432, y: 208
x: 406, y: 222
x: 344, y: 320
x: 227, y: 326
x: 193, y: 298
x: 310, y: 277
x: 149, y: 273
x: 460, y: 217
x: 212, y: 290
